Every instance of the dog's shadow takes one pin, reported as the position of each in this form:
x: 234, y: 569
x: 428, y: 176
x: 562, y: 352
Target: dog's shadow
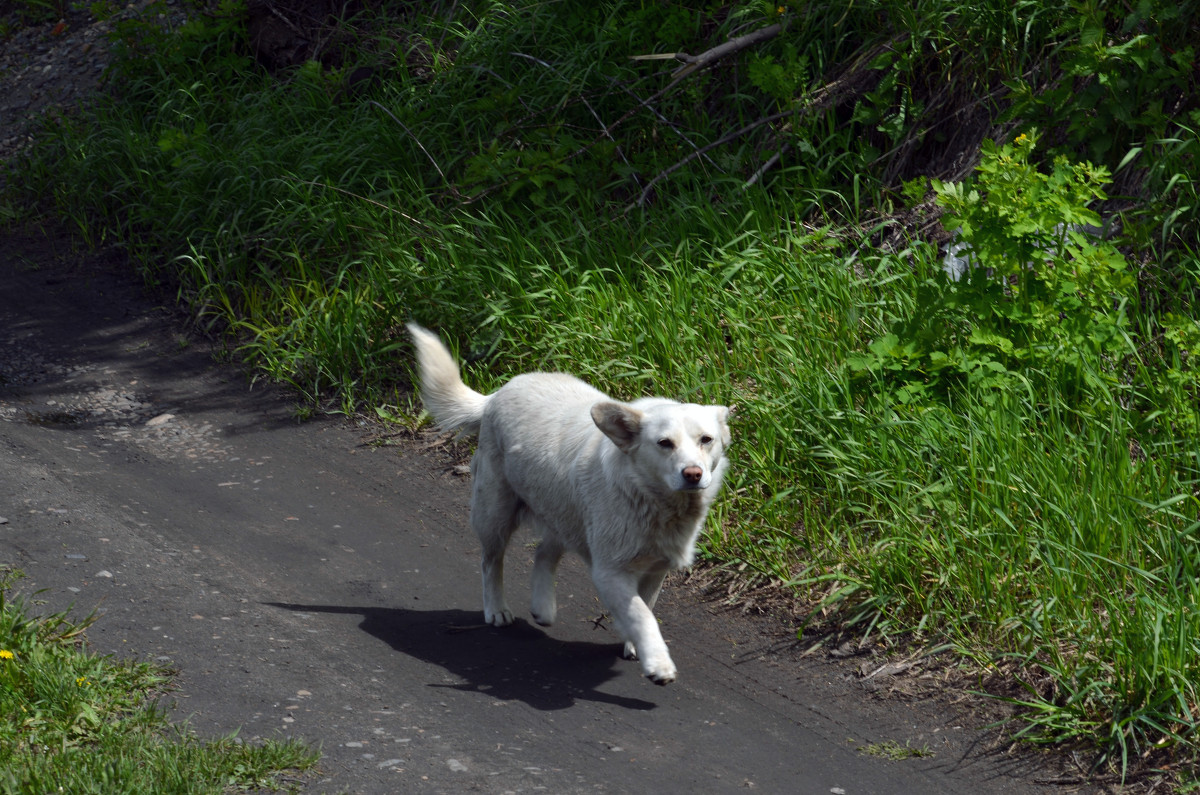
x: 514, y: 663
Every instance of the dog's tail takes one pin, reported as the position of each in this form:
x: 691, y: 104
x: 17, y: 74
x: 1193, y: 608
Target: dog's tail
x: 454, y: 405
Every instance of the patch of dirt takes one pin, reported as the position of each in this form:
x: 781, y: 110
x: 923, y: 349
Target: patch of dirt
x: 56, y: 61
x: 287, y: 33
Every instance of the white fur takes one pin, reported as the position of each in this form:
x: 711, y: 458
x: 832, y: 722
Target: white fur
x: 626, y: 486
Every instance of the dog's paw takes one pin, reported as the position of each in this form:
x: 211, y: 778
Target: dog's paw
x: 661, y: 673
x: 544, y: 611
x: 498, y: 618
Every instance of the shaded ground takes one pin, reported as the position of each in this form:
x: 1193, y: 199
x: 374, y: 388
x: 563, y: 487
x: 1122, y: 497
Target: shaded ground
x: 307, y: 583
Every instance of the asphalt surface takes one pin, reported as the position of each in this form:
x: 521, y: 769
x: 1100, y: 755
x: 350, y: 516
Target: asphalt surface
x: 308, y: 583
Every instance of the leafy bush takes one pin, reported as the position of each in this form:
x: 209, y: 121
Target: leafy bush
x: 1122, y: 90
x: 1041, y: 293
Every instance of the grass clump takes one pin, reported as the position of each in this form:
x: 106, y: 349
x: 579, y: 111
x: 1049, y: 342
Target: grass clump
x: 1005, y: 463
x: 894, y: 751
x: 71, y: 721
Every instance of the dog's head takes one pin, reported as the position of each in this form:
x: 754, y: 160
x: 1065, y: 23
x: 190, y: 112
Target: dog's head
x: 681, y: 444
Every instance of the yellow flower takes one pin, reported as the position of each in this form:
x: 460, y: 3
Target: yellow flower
x: 81, y: 681
x: 5, y: 654
x: 780, y: 10
x: 1021, y: 138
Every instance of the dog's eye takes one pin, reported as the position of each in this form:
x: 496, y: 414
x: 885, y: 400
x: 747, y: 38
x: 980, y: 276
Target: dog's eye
x: 705, y: 440
x: 666, y: 444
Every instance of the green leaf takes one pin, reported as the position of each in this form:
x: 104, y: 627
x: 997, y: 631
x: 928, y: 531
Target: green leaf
x: 991, y: 339
x: 885, y: 345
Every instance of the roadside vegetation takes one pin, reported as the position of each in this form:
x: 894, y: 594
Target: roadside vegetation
x: 1002, y: 466
x: 73, y: 721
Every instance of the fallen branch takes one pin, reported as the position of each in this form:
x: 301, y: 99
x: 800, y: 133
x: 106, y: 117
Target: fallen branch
x: 858, y: 79
x: 736, y: 44
x: 765, y: 167
x: 694, y: 63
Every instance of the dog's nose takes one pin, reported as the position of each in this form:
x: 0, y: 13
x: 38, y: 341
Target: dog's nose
x: 693, y: 474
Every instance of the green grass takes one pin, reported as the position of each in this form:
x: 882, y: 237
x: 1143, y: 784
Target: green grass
x: 1045, y: 527
x: 72, y: 721
x: 894, y: 751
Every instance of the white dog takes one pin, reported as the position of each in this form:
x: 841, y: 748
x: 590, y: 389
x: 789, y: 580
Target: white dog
x: 624, y: 485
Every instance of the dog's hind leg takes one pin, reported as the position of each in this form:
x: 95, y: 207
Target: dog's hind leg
x: 495, y: 511
x: 637, y: 625
x: 544, y: 604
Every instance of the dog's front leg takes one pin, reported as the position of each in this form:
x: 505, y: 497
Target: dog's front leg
x: 619, y: 591
x: 649, y: 585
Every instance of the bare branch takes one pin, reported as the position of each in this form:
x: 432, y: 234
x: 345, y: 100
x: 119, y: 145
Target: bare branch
x: 767, y: 166
x: 692, y: 64
x: 724, y: 139
x: 734, y: 45
x: 856, y: 81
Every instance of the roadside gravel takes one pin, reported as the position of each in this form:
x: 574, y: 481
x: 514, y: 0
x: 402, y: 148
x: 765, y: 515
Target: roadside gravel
x: 49, y: 66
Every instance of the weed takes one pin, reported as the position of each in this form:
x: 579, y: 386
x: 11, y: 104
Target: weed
x: 894, y: 751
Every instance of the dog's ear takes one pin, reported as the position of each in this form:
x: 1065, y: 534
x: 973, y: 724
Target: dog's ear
x: 723, y: 421
x: 619, y: 422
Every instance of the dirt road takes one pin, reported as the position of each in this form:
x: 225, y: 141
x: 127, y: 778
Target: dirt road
x: 308, y: 584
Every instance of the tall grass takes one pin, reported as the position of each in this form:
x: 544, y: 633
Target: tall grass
x: 1046, y: 531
